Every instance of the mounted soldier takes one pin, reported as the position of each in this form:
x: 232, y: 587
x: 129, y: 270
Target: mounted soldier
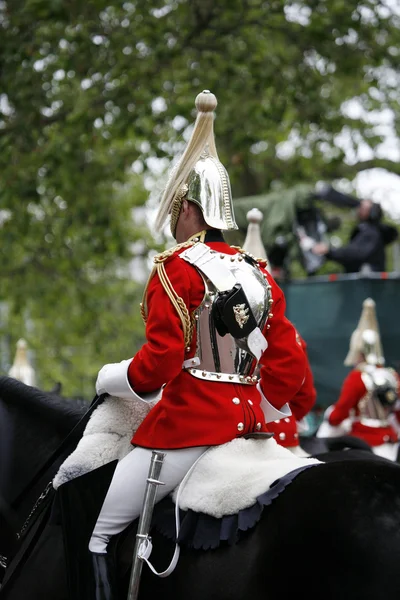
x: 286, y: 430
x: 369, y: 392
x: 214, y: 317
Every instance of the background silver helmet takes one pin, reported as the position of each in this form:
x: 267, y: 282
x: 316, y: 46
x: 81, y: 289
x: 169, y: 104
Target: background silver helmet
x: 366, y: 339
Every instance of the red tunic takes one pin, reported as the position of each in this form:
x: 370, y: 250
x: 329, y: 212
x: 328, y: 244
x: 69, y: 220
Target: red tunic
x: 285, y: 430
x: 193, y: 412
x: 303, y: 401
x: 353, y: 390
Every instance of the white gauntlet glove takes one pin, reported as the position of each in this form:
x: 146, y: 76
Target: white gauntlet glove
x: 326, y: 430
x: 113, y: 380
x: 270, y: 412
x: 328, y: 412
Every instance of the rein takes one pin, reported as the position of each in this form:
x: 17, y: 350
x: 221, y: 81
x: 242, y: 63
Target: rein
x: 77, y: 431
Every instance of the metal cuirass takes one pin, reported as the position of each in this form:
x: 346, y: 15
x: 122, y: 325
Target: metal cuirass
x: 227, y: 358
x: 381, y: 394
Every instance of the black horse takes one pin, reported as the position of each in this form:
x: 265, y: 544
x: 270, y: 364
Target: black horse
x: 333, y: 533
x: 325, y: 448
x: 33, y: 424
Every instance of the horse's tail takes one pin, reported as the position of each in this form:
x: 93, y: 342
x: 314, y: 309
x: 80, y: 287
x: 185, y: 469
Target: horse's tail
x: 346, y: 442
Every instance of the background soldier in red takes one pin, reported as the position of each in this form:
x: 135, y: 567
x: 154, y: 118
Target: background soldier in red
x: 286, y: 430
x: 369, y: 391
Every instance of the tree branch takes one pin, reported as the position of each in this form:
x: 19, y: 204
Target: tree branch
x: 345, y: 170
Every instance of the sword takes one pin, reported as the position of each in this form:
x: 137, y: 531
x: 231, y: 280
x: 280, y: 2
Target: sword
x: 143, y: 539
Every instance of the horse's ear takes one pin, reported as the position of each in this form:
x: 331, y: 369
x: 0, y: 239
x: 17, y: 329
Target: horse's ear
x: 57, y: 389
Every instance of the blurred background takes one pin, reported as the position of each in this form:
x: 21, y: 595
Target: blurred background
x: 97, y: 100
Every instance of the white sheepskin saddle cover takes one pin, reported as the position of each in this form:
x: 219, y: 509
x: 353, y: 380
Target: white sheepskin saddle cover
x: 230, y: 477
x: 226, y: 479
x: 107, y: 437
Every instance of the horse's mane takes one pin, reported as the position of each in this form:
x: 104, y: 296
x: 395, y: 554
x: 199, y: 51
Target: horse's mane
x: 46, y: 406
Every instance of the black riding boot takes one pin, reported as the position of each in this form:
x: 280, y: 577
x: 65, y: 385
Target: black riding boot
x: 105, y: 576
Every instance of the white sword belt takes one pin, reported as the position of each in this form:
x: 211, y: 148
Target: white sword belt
x: 223, y: 377
x: 372, y: 422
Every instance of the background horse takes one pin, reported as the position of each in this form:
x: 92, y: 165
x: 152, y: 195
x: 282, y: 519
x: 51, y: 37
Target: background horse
x: 335, y: 532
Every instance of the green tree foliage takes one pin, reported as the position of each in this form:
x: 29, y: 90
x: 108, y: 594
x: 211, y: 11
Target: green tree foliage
x: 89, y: 89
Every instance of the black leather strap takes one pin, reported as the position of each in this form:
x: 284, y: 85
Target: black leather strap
x: 72, y: 439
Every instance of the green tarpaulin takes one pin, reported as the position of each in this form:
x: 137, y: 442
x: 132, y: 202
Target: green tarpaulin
x: 326, y: 313
x: 279, y: 210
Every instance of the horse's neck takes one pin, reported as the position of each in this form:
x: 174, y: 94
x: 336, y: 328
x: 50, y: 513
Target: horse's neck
x: 29, y: 435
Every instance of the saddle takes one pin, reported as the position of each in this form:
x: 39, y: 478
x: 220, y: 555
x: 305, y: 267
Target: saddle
x: 230, y: 483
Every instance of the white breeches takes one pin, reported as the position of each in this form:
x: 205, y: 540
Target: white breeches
x: 388, y: 451
x: 124, y: 500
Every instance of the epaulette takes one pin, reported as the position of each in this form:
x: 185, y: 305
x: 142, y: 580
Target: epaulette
x: 262, y: 262
x: 163, y: 256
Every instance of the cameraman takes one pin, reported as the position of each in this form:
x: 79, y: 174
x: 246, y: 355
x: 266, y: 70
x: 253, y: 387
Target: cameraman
x: 368, y: 239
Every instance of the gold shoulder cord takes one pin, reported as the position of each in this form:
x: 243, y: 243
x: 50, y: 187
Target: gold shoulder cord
x: 143, y: 304
x: 177, y: 301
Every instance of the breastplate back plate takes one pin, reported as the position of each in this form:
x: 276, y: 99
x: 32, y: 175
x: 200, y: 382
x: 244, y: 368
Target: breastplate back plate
x: 226, y: 354
x: 377, y: 380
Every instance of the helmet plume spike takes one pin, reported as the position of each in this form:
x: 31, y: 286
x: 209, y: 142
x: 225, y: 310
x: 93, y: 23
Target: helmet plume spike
x: 202, y: 135
x: 199, y: 176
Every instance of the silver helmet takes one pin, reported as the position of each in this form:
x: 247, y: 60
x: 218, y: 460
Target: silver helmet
x: 199, y: 176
